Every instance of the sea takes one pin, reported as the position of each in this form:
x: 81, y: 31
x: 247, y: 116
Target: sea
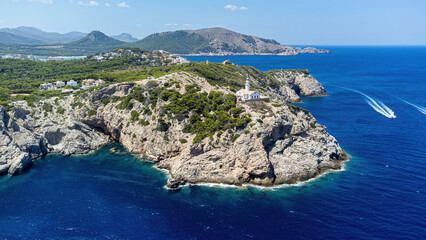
x: 375, y: 109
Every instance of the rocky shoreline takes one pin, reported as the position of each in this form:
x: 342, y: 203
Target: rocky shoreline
x: 287, y: 51
x: 282, y: 145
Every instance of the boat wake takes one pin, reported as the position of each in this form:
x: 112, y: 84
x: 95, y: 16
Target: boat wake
x: 418, y: 107
x: 376, y: 104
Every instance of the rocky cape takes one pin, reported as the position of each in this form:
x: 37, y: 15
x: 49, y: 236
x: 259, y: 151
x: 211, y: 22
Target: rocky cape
x: 283, y: 144
x: 218, y: 42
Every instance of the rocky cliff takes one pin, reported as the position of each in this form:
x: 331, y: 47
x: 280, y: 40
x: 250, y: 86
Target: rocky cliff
x: 28, y: 133
x: 197, y: 131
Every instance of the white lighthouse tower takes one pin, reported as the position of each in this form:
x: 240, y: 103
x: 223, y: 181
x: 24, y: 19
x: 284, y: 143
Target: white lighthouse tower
x: 248, y: 83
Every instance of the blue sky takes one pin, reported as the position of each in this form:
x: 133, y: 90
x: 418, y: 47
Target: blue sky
x: 297, y: 22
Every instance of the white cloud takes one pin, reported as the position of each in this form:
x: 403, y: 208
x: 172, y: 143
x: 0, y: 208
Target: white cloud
x: 123, y: 4
x: 231, y: 7
x: 172, y: 24
x: 42, y: 1
x: 89, y: 4
x: 235, y: 8
x: 107, y: 4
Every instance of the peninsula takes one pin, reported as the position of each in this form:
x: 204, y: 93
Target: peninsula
x: 187, y: 119
x: 207, y: 41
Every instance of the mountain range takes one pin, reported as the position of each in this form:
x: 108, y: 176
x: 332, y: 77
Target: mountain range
x: 208, y: 41
x: 30, y: 35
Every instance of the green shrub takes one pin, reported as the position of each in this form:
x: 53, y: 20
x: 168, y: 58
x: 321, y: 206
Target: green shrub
x: 162, y: 125
x: 47, y: 107
x: 235, y: 137
x: 183, y: 141
x: 92, y: 113
x: 143, y: 122
x: 105, y: 101
x: 313, y: 125
x: 134, y: 116
x: 246, y: 131
x: 60, y: 110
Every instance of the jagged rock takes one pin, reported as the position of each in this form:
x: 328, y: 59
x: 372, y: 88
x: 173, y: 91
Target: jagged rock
x: 19, y: 163
x: 24, y: 138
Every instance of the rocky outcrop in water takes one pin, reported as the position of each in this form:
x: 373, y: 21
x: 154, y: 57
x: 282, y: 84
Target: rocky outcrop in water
x: 281, y: 144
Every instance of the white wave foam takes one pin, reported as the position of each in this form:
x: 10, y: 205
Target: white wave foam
x: 376, y: 104
x: 418, y: 107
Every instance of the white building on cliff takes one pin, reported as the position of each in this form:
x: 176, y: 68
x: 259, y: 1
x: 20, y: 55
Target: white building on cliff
x: 247, y: 95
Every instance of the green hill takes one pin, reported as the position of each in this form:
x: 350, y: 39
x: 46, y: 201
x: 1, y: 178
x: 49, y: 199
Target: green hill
x: 95, y: 42
x: 210, y: 40
x: 176, y: 42
x: 9, y: 38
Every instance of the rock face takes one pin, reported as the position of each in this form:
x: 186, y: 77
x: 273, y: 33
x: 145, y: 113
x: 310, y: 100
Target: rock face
x: 282, y: 144
x: 29, y: 133
x: 301, y: 82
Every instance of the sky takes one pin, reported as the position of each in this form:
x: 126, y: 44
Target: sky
x: 293, y: 22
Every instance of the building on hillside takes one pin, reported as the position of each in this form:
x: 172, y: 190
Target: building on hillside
x: 72, y: 83
x: 99, y: 82
x: 247, y: 95
x: 60, y: 84
x: 99, y: 58
x: 89, y: 82
x: 46, y: 86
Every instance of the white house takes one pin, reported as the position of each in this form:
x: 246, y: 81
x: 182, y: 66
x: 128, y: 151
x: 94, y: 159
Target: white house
x: 99, y: 58
x: 72, y: 83
x: 45, y: 86
x: 60, y: 84
x: 89, y: 82
x: 246, y: 94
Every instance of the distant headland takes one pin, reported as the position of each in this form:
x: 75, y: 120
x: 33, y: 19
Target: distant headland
x: 208, y: 41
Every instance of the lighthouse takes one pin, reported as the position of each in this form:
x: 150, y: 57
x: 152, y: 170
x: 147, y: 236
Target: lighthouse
x: 248, y: 83
x: 247, y: 95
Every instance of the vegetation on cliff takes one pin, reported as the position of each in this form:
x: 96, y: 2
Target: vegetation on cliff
x: 208, y: 113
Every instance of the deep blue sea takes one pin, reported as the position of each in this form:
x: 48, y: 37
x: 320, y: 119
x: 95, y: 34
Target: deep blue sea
x: 380, y: 195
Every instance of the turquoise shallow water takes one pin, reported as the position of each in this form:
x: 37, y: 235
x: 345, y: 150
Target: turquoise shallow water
x: 380, y: 195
